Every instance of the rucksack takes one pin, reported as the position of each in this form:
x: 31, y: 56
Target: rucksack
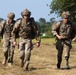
x: 33, y: 33
x: 73, y: 33
x: 72, y: 27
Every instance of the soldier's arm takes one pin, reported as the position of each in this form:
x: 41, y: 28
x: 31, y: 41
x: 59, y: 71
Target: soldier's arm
x: 55, y: 26
x: 37, y: 36
x: 2, y: 25
x: 74, y: 29
x: 15, y: 28
x: 37, y: 33
x: 55, y: 30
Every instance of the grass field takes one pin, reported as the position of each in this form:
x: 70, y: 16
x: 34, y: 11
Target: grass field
x: 47, y: 41
x: 43, y: 61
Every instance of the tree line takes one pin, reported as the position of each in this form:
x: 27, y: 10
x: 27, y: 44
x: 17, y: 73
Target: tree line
x: 45, y: 27
x: 57, y: 7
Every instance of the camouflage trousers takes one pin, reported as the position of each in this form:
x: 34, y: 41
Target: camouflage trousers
x: 8, y: 49
x: 63, y: 45
x: 25, y: 47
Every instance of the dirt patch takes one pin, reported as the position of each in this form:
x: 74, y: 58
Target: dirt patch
x: 43, y: 62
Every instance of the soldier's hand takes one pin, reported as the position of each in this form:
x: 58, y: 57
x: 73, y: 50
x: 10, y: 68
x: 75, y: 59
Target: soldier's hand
x: 59, y: 37
x: 15, y: 43
x: 74, y: 39
x: 37, y: 44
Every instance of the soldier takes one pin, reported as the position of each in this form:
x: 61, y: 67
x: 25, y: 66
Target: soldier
x: 63, y: 31
x: 24, y: 27
x: 6, y: 27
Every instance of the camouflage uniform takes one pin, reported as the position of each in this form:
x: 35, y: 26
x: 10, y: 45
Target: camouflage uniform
x: 6, y: 29
x: 64, y: 30
x: 25, y: 41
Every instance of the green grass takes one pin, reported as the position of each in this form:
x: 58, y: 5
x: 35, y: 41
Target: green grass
x: 47, y: 41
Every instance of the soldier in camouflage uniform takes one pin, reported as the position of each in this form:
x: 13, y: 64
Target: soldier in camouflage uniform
x: 6, y: 27
x: 24, y: 26
x: 63, y: 30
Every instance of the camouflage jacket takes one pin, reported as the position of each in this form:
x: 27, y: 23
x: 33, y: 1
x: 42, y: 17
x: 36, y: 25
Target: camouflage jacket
x: 64, y: 30
x: 24, y: 29
x: 6, y: 28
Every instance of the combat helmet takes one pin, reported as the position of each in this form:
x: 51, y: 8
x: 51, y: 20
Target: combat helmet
x: 66, y: 14
x: 11, y: 15
x: 26, y: 12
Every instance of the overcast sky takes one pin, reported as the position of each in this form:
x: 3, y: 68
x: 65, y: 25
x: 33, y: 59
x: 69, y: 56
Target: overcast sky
x: 38, y: 8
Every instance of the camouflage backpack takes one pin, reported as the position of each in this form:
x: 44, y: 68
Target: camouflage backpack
x: 33, y: 33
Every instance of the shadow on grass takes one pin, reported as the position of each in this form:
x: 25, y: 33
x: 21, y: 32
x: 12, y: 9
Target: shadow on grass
x: 73, y: 66
x: 63, y: 69
x: 33, y: 68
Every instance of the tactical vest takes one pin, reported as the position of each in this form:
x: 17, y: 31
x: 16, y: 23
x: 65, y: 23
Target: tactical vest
x: 66, y: 30
x: 8, y: 28
x: 25, y: 29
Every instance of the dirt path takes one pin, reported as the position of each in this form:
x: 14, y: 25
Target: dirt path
x: 43, y: 62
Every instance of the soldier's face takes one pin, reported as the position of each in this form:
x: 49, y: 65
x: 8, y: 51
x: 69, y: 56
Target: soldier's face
x: 10, y: 20
x: 65, y: 20
x: 26, y: 17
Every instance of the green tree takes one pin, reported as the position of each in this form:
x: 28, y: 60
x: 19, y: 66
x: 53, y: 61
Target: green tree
x: 38, y: 25
x: 52, y: 20
x: 45, y: 27
x: 58, y: 6
x: 42, y: 20
x: 42, y: 23
x: 1, y: 19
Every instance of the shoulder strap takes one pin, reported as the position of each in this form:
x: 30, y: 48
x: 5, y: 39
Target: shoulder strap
x: 32, y: 20
x: 4, y: 24
x: 58, y: 29
x: 14, y: 21
x: 60, y: 23
x: 20, y: 21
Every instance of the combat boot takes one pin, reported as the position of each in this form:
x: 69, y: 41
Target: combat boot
x: 25, y: 68
x: 58, y: 65
x: 4, y: 61
x: 21, y: 63
x: 67, y: 65
x: 10, y: 64
x: 67, y: 62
